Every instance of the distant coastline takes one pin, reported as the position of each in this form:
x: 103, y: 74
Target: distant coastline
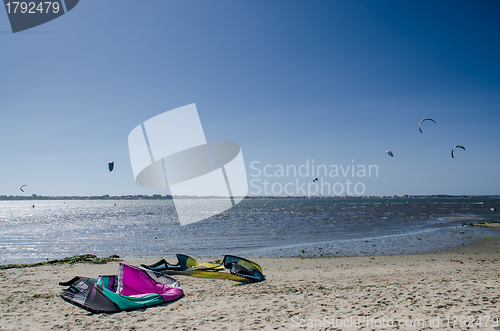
x: 169, y: 197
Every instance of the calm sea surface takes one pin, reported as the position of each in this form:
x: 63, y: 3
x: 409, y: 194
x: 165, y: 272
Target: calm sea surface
x: 263, y: 227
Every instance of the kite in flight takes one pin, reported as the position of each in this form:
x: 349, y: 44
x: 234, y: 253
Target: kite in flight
x: 21, y: 188
x: 458, y: 146
x: 111, y: 166
x: 425, y: 119
x: 315, y: 180
x: 390, y: 153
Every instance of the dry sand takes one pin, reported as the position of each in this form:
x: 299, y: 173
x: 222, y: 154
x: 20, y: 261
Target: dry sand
x: 377, y: 293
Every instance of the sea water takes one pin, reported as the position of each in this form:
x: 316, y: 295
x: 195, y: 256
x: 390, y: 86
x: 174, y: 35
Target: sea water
x: 37, y: 230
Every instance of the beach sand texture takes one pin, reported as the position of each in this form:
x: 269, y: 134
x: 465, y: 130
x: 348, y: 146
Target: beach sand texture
x: 461, y: 282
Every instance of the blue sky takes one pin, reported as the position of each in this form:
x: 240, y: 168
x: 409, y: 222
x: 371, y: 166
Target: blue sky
x: 290, y: 81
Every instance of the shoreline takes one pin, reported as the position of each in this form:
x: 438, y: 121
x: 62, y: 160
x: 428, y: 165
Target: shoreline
x: 297, y: 292
x: 419, y: 242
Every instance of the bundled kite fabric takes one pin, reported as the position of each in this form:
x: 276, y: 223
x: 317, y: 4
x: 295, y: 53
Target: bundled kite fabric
x: 243, y: 269
x: 132, y: 288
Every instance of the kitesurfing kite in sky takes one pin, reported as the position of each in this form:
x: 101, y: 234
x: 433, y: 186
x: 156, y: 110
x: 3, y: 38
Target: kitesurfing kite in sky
x: 21, y: 188
x: 425, y: 119
x: 315, y: 180
x: 390, y: 153
x: 458, y: 146
x: 111, y: 166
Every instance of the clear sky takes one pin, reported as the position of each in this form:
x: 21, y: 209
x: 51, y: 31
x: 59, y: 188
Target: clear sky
x: 289, y: 81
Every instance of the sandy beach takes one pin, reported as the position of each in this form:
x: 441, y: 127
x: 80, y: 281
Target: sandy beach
x: 426, y: 291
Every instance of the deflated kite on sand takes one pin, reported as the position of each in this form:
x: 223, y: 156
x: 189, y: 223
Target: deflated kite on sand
x: 140, y: 287
x: 240, y: 269
x: 132, y: 288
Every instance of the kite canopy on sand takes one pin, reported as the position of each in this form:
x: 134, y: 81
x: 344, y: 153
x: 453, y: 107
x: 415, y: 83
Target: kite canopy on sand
x: 241, y: 269
x: 458, y: 146
x: 133, y: 288
x: 425, y: 119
